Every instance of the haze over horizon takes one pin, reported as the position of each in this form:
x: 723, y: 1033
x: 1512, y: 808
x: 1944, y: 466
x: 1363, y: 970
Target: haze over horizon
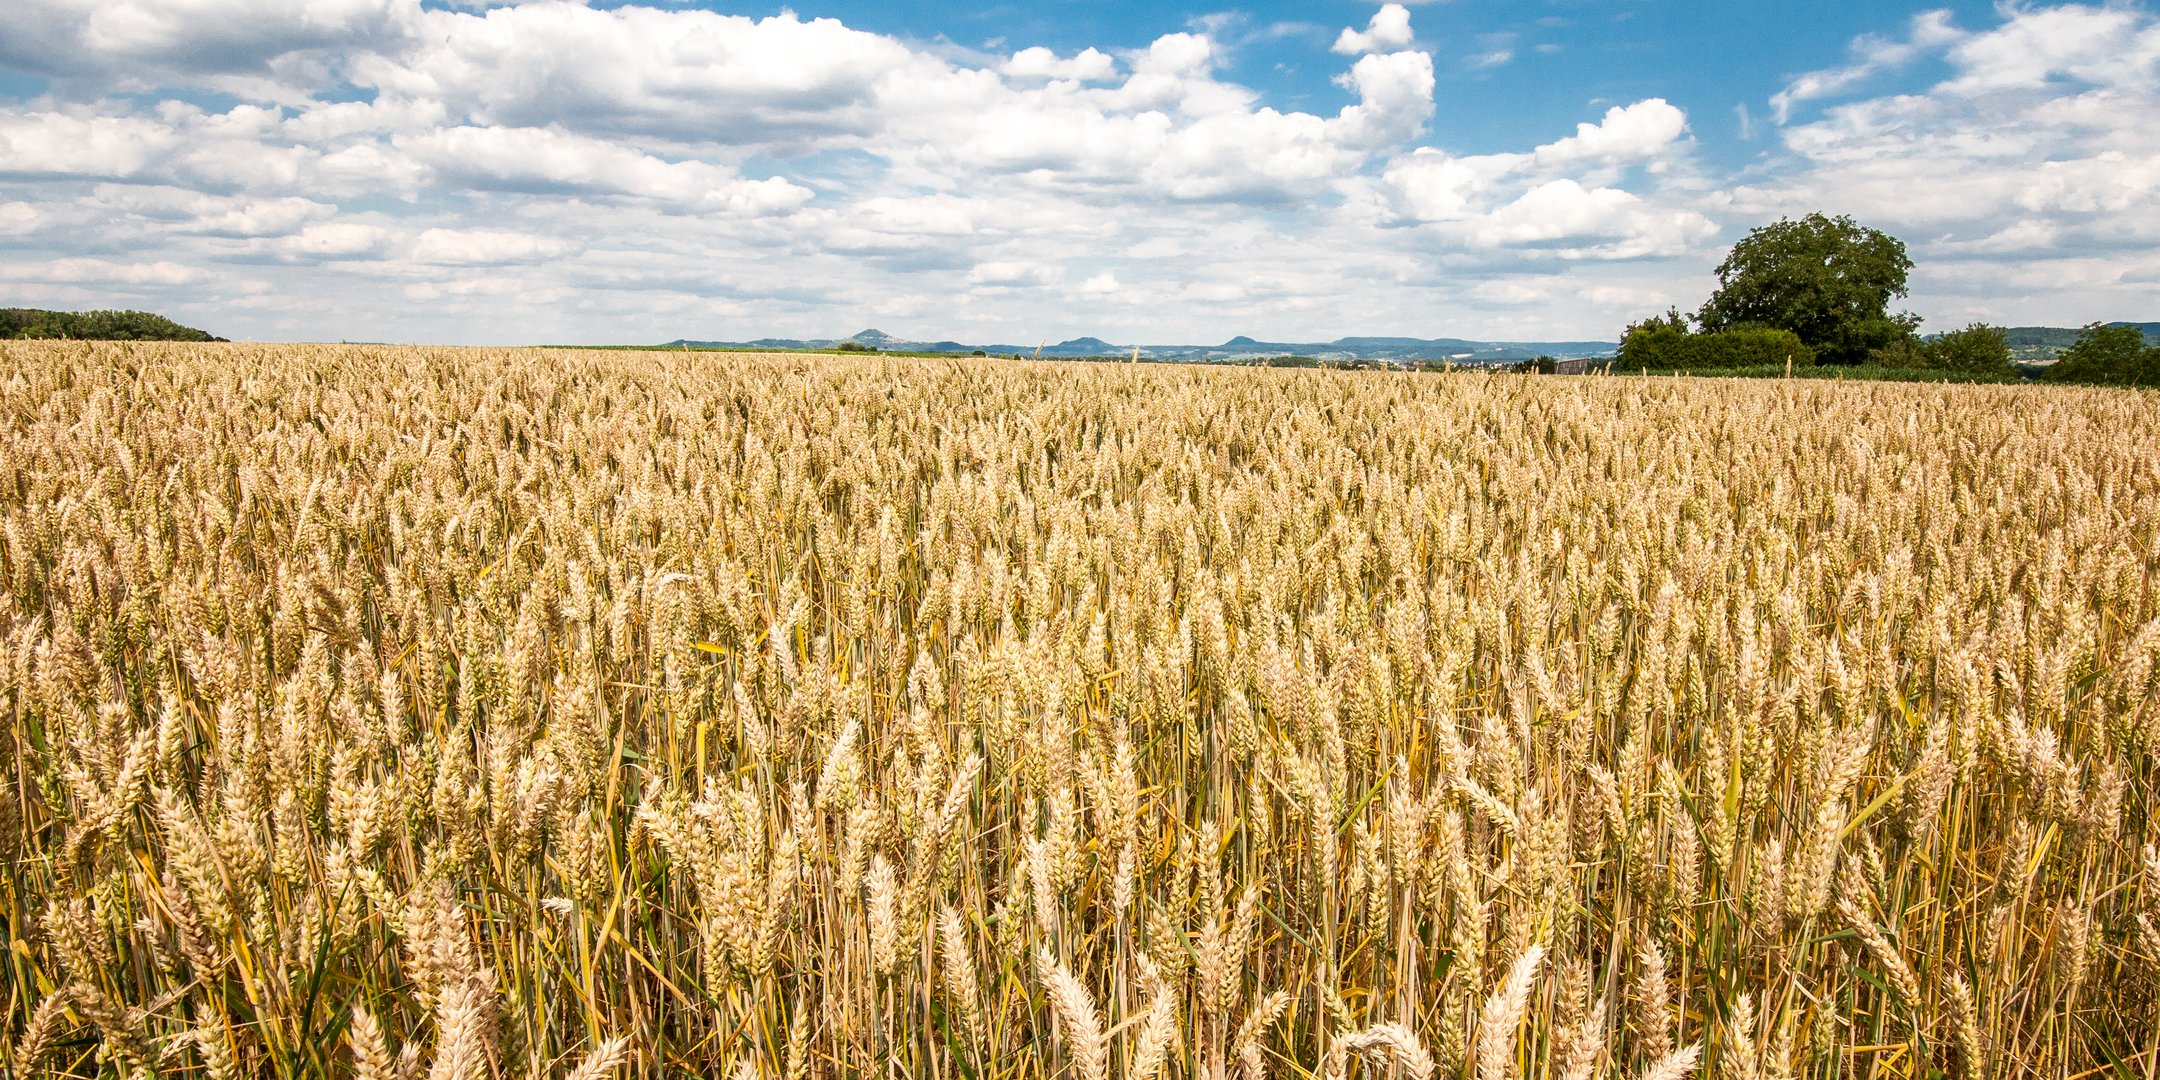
x: 589, y: 173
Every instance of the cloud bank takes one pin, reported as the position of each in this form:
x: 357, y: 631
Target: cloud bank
x: 552, y: 171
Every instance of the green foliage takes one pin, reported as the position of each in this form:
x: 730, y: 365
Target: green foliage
x: 1666, y: 344
x: 1658, y: 342
x: 1977, y: 349
x: 854, y: 346
x: 2116, y: 355
x: 1828, y: 280
x: 1747, y: 346
x: 1907, y: 353
x: 95, y: 326
x: 1852, y: 342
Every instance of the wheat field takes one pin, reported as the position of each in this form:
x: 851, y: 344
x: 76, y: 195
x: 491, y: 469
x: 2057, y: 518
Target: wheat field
x: 465, y: 714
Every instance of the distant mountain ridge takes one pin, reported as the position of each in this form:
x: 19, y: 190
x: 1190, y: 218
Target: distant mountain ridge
x: 2026, y: 343
x: 1399, y: 349
x: 2048, y: 342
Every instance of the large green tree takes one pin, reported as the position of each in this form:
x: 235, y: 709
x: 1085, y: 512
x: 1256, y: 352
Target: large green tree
x: 1828, y: 280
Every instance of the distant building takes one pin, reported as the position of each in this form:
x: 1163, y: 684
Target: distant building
x: 1570, y: 367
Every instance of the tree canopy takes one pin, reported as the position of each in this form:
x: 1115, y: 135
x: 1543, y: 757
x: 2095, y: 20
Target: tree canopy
x: 1665, y: 343
x: 1828, y: 280
x: 2116, y: 355
x: 95, y: 326
x: 1978, y: 349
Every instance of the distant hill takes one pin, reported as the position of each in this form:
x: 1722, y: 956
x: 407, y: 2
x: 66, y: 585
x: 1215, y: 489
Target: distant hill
x: 2048, y: 342
x: 96, y: 326
x: 1240, y: 348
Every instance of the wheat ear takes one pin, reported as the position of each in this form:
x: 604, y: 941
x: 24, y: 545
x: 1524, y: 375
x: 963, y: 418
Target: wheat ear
x: 1675, y: 1065
x: 1503, y: 1013
x: 603, y: 1061
x: 1077, y: 1017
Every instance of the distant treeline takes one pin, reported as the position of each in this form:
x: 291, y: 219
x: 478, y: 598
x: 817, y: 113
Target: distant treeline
x: 96, y: 326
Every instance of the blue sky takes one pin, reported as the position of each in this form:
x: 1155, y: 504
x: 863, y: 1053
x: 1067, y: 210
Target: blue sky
x: 548, y: 170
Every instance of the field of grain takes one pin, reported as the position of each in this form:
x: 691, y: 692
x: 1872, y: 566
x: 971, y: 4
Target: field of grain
x: 462, y: 714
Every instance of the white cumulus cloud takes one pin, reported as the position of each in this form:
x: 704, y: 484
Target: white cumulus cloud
x: 547, y: 160
x: 1014, y: 274
x: 47, y: 144
x: 137, y: 42
x: 1871, y: 55
x: 89, y: 271
x: 1627, y: 134
x: 1088, y: 65
x: 332, y: 240
x: 1387, y: 31
x: 483, y: 247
